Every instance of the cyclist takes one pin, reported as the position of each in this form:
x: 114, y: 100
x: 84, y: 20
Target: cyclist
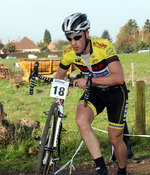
x: 108, y: 88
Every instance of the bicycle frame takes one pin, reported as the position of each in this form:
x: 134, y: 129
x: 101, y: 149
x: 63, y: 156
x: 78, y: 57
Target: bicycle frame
x: 59, y: 121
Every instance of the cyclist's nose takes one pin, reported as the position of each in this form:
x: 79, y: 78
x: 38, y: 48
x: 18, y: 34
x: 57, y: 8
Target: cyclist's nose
x: 73, y: 42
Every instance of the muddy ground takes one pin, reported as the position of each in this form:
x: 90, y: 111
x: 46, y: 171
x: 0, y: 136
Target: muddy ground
x: 141, y: 167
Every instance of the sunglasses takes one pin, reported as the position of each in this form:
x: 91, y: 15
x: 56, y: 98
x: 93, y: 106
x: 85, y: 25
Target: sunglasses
x: 76, y: 38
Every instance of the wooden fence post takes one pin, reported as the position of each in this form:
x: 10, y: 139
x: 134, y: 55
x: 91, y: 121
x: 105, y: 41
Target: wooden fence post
x: 133, y: 73
x: 140, y: 107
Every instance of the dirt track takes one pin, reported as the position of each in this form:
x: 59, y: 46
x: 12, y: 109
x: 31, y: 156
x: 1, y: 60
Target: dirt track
x: 141, y: 168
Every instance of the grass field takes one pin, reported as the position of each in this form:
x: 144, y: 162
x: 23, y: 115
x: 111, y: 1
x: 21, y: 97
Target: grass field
x: 18, y: 104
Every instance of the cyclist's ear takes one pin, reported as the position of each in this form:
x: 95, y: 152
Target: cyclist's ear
x: 87, y: 34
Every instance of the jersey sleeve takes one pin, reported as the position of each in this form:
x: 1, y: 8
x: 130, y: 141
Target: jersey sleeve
x: 66, y: 58
x: 111, y: 54
x: 66, y: 67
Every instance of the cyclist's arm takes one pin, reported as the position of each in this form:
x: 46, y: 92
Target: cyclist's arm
x: 61, y: 73
x: 116, y: 76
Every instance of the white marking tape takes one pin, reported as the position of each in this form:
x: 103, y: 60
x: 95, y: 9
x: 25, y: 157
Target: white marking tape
x: 124, y: 134
x: 71, y: 161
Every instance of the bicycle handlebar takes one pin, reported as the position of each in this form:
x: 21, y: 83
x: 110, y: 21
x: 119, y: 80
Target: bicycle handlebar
x: 35, y: 74
x: 45, y: 79
x: 35, y: 70
x: 32, y: 77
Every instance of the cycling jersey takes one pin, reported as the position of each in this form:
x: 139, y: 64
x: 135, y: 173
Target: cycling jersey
x: 114, y: 98
x: 102, y: 53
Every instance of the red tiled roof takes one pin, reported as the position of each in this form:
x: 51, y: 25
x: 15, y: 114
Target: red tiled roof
x: 25, y: 43
x: 52, y: 47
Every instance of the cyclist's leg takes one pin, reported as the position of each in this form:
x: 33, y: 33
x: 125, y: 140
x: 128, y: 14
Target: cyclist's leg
x: 84, y: 118
x: 120, y: 148
x: 117, y: 110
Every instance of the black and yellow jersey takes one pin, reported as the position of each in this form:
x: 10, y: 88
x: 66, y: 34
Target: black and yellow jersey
x: 102, y: 53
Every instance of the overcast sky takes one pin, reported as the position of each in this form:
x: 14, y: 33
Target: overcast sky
x: 30, y: 18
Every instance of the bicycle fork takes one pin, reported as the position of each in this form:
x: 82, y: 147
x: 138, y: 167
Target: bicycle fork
x: 57, y: 126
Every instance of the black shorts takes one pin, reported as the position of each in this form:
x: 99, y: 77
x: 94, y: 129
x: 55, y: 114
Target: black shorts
x: 115, y: 99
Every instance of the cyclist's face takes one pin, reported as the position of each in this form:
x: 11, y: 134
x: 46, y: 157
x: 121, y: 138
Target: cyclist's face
x: 77, y: 41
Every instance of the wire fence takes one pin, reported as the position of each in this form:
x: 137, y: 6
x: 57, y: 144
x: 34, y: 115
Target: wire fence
x: 134, y: 73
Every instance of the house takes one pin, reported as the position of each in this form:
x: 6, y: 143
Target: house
x: 52, y: 47
x: 1, y: 48
x: 25, y: 45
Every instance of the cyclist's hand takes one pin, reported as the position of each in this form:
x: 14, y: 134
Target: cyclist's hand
x: 81, y: 82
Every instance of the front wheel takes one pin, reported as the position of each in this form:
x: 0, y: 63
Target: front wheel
x: 45, y: 163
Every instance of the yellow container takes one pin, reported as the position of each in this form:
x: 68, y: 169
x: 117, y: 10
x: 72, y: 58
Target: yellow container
x: 46, y: 67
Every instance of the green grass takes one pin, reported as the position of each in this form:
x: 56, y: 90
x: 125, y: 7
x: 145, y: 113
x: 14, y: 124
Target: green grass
x: 18, y: 104
x: 141, y: 63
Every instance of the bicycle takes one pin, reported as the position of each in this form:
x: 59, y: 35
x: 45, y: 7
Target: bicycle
x: 49, y: 150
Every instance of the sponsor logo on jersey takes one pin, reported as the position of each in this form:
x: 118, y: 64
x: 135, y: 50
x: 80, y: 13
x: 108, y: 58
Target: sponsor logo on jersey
x: 110, y: 51
x: 98, y: 66
x: 101, y: 74
x: 94, y: 61
x: 83, y: 68
x: 68, y: 49
x: 100, y: 45
x: 78, y: 59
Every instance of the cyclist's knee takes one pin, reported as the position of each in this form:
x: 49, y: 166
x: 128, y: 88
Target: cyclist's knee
x: 84, y: 118
x: 116, y: 137
x: 81, y: 120
x: 116, y: 142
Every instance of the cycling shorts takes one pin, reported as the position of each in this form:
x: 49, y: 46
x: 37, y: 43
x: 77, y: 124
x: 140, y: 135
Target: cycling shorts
x: 115, y: 99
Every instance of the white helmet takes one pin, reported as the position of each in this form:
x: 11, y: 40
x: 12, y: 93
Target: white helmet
x: 75, y: 23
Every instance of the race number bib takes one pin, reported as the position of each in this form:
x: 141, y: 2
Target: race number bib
x: 59, y: 89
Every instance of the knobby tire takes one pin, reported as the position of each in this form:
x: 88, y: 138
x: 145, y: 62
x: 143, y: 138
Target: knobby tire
x: 40, y: 168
